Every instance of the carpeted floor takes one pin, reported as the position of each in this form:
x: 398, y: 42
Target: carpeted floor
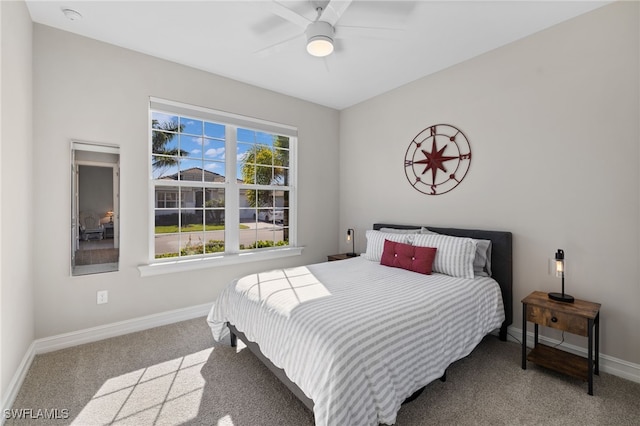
x: 177, y: 375
x: 94, y: 256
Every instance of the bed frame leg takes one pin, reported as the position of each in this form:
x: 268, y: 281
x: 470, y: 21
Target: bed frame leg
x: 233, y: 338
x: 444, y: 376
x: 503, y: 333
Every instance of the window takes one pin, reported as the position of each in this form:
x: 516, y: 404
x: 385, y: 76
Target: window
x: 222, y: 184
x: 168, y: 198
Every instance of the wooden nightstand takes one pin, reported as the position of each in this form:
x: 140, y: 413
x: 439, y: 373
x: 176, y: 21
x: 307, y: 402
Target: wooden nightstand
x: 108, y: 230
x: 580, y: 317
x: 341, y: 256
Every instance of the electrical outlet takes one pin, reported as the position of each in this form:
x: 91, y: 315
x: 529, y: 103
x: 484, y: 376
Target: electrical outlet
x: 103, y: 297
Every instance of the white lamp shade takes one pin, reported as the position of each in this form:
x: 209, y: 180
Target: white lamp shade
x: 320, y: 46
x: 560, y: 263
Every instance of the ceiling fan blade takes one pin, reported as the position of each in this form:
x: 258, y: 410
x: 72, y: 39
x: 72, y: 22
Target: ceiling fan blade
x: 369, y: 32
x: 326, y: 64
x: 334, y: 10
x: 279, y: 46
x: 285, y: 13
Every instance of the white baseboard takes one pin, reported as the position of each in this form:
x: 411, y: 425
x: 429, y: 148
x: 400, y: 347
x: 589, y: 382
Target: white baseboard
x: 17, y: 379
x: 608, y: 364
x: 93, y: 334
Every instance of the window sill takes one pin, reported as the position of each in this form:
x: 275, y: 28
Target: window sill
x: 161, y: 268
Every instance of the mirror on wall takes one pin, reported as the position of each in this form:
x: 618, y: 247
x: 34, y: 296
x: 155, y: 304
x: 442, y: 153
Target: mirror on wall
x: 95, y: 209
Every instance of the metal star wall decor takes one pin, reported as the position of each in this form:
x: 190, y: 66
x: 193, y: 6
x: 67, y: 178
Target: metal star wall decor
x: 442, y: 149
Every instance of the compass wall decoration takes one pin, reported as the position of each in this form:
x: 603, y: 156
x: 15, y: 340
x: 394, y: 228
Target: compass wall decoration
x: 437, y: 159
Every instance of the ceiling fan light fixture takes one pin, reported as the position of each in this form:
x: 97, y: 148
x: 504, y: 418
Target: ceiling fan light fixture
x: 320, y: 39
x: 320, y: 46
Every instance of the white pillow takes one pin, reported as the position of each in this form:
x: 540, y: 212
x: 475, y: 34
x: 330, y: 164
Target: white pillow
x: 401, y: 231
x: 375, y: 243
x: 408, y: 232
x: 424, y: 230
x: 454, y: 256
x: 482, y: 260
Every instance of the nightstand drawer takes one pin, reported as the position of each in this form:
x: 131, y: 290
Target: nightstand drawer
x: 561, y: 320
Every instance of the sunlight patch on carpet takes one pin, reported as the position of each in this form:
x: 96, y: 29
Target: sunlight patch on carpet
x: 225, y: 421
x: 166, y: 393
x: 240, y: 346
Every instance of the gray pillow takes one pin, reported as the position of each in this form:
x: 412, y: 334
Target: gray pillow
x: 482, y: 261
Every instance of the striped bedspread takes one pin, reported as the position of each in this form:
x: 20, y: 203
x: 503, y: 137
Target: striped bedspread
x: 357, y: 337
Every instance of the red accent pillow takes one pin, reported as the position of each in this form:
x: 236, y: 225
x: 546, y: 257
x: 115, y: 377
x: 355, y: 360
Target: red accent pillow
x: 406, y: 256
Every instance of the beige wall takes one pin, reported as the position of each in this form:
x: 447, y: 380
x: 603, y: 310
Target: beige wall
x: 553, y: 123
x: 16, y: 183
x: 93, y: 91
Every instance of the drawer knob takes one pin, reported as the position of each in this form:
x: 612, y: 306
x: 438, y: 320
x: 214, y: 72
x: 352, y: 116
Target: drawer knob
x: 554, y: 319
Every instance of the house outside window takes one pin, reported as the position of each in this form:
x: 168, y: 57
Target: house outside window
x: 221, y: 184
x: 168, y: 198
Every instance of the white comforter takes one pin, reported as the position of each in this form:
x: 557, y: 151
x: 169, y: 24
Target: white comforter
x: 357, y: 337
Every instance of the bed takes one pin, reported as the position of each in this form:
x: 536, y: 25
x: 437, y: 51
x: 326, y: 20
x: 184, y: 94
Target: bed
x: 354, y: 339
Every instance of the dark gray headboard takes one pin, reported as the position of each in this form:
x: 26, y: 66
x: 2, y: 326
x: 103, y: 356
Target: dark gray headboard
x: 501, y: 260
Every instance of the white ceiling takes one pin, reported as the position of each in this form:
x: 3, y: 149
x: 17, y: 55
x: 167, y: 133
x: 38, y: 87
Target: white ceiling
x: 225, y: 37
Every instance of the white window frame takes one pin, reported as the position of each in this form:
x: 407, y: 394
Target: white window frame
x: 232, y: 254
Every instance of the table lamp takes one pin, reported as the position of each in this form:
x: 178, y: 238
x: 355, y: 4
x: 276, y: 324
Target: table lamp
x: 560, y: 297
x: 351, y: 236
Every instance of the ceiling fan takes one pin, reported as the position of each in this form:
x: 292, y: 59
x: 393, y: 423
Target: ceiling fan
x: 321, y: 32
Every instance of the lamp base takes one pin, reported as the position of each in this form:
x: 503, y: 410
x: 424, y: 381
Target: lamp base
x: 351, y: 254
x: 561, y: 297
